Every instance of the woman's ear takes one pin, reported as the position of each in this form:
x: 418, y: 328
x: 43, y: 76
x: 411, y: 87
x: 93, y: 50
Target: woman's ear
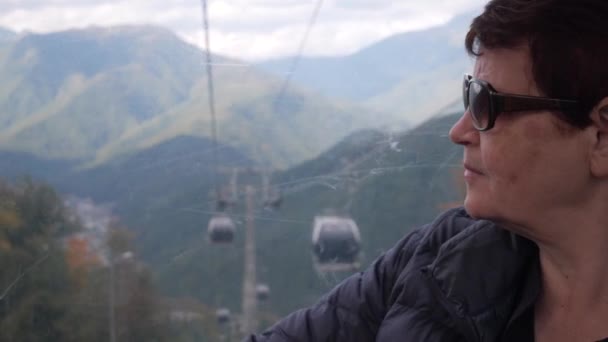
x: 599, y: 155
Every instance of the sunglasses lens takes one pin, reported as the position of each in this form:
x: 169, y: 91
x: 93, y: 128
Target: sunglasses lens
x: 479, y: 105
x: 465, y: 93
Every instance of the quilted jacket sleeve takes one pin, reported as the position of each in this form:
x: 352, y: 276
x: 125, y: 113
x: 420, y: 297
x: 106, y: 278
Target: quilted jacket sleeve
x: 353, y: 310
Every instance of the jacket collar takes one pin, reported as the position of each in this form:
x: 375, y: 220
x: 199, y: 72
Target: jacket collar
x: 486, y: 277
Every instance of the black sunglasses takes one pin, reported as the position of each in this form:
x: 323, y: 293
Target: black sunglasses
x: 485, y: 103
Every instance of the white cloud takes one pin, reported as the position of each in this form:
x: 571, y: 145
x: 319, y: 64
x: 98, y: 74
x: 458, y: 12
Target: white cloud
x: 245, y: 29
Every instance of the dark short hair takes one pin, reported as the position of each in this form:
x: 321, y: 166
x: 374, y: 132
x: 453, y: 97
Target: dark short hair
x: 567, y: 40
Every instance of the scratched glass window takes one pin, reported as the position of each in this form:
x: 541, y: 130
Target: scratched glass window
x: 195, y: 170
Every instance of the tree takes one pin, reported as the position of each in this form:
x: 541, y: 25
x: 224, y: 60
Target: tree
x: 80, y: 259
x: 34, y: 282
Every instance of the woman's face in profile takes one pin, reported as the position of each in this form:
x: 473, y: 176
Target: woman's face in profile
x: 525, y: 167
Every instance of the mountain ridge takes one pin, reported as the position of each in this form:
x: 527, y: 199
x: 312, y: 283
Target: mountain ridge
x: 407, y: 75
x: 92, y: 94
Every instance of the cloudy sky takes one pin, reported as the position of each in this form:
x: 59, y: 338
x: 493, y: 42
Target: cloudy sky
x: 247, y: 29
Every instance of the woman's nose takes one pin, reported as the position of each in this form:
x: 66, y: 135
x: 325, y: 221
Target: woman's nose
x: 463, y: 132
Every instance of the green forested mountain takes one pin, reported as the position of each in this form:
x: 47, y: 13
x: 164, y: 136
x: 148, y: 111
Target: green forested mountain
x: 134, y: 184
x: 91, y: 95
x: 120, y: 115
x: 388, y: 183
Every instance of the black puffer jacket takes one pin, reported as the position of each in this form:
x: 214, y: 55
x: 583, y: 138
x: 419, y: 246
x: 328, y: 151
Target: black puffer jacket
x: 456, y: 279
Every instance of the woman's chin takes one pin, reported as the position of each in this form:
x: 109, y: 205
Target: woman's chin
x: 476, y: 207
x: 483, y: 209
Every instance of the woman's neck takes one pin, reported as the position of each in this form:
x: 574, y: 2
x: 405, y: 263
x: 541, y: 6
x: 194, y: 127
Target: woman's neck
x: 573, y: 252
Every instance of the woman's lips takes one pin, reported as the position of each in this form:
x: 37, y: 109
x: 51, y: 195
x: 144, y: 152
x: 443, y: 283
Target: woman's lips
x: 470, y: 168
x: 470, y: 171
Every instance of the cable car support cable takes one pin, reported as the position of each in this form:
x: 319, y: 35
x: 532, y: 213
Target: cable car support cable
x: 211, y: 95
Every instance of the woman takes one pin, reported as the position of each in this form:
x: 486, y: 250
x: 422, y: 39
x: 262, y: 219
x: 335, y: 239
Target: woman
x: 527, y: 257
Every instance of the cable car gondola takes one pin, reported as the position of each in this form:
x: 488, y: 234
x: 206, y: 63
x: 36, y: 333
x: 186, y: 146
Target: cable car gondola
x: 273, y: 200
x: 221, y: 229
x: 223, y: 316
x: 225, y: 199
x: 336, y: 244
x: 262, y: 292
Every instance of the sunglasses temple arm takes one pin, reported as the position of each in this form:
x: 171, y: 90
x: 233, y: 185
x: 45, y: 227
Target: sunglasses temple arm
x: 511, y: 103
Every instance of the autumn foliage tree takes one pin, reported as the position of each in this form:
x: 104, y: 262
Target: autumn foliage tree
x: 55, y: 287
x: 34, y: 281
x: 80, y: 259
